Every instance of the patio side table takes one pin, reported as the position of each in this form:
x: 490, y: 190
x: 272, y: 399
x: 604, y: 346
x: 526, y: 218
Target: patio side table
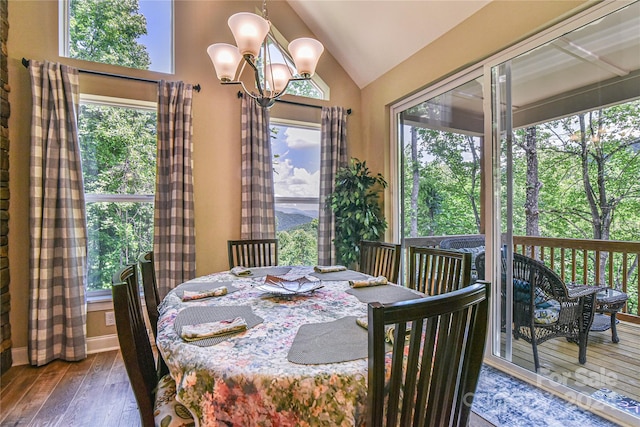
x: 608, y: 301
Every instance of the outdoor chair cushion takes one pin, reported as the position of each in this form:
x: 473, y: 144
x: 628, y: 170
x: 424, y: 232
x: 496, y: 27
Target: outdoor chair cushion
x: 546, y: 316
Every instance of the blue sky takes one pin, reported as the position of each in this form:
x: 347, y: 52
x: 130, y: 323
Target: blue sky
x: 297, y: 170
x: 159, y: 30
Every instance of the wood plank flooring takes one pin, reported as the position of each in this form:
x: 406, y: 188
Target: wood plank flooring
x: 609, y: 365
x: 94, y: 392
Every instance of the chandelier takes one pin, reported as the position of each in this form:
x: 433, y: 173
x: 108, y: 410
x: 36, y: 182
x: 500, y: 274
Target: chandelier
x: 271, y: 79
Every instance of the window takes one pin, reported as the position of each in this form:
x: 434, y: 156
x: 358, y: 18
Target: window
x: 131, y: 33
x: 296, y: 176
x: 314, y: 88
x: 118, y: 148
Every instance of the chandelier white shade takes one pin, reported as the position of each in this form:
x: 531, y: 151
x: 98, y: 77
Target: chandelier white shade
x: 271, y: 79
x: 306, y: 53
x: 249, y: 30
x: 225, y: 58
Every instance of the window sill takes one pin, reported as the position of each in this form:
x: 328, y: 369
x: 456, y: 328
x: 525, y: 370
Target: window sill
x: 99, y: 303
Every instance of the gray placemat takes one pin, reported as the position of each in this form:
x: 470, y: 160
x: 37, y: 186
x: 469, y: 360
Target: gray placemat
x: 263, y: 271
x: 385, y: 294
x: 340, y: 275
x: 196, y: 315
x: 203, y: 286
x: 331, y: 342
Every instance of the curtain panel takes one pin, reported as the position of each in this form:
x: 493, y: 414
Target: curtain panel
x: 174, y: 219
x: 258, y: 200
x: 57, y: 218
x: 333, y: 155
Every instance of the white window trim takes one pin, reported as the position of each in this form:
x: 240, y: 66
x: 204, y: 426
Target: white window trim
x: 101, y: 300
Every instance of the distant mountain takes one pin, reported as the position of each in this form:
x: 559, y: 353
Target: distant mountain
x: 287, y: 221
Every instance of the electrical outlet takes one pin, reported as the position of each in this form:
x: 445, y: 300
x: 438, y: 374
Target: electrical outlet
x: 109, y: 318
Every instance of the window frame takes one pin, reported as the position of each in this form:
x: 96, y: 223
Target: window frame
x: 298, y: 200
x: 491, y: 205
x: 105, y: 294
x: 64, y: 37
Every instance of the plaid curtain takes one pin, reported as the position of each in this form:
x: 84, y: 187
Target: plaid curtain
x: 57, y: 220
x: 333, y: 155
x: 174, y: 240
x: 258, y: 206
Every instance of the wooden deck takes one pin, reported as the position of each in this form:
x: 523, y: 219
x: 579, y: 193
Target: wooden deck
x: 609, y: 365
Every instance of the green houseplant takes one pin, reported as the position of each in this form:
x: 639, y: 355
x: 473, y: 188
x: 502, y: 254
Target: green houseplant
x: 357, y: 212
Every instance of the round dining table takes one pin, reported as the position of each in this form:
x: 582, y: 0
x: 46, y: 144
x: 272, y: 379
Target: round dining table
x: 300, y: 362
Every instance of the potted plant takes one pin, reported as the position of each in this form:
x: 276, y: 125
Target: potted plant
x: 356, y: 209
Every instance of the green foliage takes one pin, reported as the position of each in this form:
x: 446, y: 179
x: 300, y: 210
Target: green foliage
x: 356, y: 209
x: 118, y: 147
x: 299, y: 245
x: 107, y: 31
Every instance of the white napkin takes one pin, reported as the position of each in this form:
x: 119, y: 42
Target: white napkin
x: 373, y: 281
x: 213, y: 329
x: 241, y: 271
x: 196, y: 295
x: 328, y: 268
x: 389, y: 330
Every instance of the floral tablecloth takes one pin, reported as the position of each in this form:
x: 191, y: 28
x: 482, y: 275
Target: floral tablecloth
x: 247, y: 380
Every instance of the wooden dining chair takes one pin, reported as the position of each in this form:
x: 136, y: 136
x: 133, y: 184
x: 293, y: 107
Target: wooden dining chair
x: 253, y: 253
x: 380, y: 259
x: 150, y: 289
x: 151, y: 299
x: 435, y: 359
x: 155, y: 397
x: 436, y: 271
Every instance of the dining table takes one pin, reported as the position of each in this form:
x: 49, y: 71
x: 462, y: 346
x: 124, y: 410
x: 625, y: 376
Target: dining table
x: 300, y: 358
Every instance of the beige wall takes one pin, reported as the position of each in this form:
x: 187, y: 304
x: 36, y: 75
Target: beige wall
x: 216, y: 124
x: 216, y: 110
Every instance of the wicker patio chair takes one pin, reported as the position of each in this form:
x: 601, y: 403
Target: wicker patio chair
x: 543, y: 306
x: 462, y: 242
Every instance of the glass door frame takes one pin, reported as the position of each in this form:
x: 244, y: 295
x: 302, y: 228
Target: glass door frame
x: 491, y: 199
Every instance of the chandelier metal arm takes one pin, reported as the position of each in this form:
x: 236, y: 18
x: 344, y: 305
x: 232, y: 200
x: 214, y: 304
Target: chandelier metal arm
x: 256, y: 73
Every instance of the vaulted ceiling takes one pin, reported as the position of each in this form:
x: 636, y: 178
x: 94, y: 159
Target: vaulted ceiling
x: 370, y: 37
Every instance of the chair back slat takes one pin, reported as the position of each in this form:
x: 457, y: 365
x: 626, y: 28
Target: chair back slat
x: 434, y: 369
x: 380, y: 259
x: 437, y: 271
x: 253, y: 253
x: 134, y: 340
x: 150, y: 288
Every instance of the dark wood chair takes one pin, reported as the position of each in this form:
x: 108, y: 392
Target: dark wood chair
x: 152, y: 394
x: 152, y: 300
x: 435, y: 360
x: 380, y: 259
x: 543, y: 306
x: 150, y: 289
x: 253, y: 253
x: 437, y: 271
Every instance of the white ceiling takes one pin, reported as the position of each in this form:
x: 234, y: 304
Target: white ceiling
x: 370, y: 37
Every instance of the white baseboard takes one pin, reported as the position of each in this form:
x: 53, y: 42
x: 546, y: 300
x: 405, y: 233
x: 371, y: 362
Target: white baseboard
x: 99, y: 344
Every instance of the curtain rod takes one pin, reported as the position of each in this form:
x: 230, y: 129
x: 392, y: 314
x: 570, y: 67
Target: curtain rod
x: 196, y: 87
x: 284, y: 101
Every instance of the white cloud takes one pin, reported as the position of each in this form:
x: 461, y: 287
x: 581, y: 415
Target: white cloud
x: 290, y: 181
x: 302, y: 138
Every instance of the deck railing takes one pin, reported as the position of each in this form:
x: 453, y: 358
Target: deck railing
x: 603, y: 262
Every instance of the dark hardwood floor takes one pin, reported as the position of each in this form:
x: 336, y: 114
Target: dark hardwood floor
x: 92, y: 393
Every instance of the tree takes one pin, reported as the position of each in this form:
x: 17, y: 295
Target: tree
x: 107, y: 31
x: 357, y: 212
